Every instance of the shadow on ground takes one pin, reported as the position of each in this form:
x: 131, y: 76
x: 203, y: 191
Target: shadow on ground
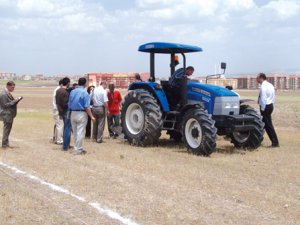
x: 173, y: 146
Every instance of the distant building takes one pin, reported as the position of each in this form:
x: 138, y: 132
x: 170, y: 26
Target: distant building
x: 280, y: 81
x: 220, y: 82
x: 27, y: 77
x: 121, y: 80
x: 7, y: 76
x: 39, y: 77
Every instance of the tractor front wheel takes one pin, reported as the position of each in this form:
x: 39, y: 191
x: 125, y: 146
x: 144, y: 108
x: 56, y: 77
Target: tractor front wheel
x: 199, y: 132
x: 251, y: 139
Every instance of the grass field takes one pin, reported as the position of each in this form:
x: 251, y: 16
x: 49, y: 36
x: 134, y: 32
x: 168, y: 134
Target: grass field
x: 156, y: 185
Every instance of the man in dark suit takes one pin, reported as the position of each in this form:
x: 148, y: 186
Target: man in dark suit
x: 8, y: 111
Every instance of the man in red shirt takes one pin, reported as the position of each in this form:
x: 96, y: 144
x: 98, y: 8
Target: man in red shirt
x: 113, y: 116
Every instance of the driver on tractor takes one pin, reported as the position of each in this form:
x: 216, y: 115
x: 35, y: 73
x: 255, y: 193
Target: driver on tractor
x: 176, y: 82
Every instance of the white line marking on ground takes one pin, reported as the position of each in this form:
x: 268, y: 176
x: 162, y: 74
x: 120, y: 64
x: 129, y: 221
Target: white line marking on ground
x: 107, y: 212
x: 23, y: 184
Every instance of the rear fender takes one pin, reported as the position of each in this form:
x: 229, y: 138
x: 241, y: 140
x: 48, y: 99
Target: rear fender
x: 155, y: 89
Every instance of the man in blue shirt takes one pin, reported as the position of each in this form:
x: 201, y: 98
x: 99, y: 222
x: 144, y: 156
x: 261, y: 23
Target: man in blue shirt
x: 176, y: 84
x: 79, y: 107
x: 178, y: 75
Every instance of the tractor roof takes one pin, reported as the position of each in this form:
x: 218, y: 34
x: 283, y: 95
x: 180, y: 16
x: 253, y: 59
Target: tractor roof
x: 168, y: 48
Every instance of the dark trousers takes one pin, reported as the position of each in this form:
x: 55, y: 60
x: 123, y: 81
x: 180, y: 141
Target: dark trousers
x: 177, y: 94
x: 6, y: 131
x: 88, y: 128
x: 267, y: 119
x: 113, y: 121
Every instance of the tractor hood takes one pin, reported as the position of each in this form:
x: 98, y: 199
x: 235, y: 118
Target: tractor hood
x: 210, y: 90
x: 212, y: 97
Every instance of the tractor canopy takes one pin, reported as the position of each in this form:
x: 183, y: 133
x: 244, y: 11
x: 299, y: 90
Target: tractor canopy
x: 168, y: 48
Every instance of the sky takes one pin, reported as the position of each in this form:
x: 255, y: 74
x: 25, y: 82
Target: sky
x: 71, y: 37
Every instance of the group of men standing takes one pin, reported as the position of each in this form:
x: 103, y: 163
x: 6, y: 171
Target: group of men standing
x: 72, y: 108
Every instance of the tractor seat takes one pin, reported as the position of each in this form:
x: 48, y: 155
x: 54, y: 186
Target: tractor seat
x: 167, y: 88
x: 165, y: 84
x: 170, y: 93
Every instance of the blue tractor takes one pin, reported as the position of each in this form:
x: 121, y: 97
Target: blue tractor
x: 204, y: 111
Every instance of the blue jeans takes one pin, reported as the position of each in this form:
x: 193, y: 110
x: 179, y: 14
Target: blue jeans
x: 67, y: 132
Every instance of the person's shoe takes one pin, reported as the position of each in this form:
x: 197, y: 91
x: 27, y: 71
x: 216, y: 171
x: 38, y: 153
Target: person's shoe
x: 7, y: 146
x: 83, y: 152
x: 99, y: 141
x: 275, y: 145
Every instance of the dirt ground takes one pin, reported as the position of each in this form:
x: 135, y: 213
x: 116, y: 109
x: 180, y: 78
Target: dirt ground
x: 155, y: 185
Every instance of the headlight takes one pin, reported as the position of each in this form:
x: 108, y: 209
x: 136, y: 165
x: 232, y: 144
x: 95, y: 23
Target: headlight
x: 236, y: 105
x: 227, y: 106
x: 231, y: 105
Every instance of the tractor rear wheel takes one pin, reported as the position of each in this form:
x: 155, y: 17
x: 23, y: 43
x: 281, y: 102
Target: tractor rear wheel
x: 251, y: 139
x: 199, y: 132
x: 141, y: 118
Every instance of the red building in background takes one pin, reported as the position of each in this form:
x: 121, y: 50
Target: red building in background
x: 121, y: 80
x: 280, y: 81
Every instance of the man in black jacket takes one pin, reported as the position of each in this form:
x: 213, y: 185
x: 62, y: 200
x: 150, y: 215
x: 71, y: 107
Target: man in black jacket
x: 8, y: 111
x: 62, y: 98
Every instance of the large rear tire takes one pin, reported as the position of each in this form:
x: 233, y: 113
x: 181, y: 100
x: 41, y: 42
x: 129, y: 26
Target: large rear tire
x: 141, y: 118
x: 199, y: 132
x: 249, y: 139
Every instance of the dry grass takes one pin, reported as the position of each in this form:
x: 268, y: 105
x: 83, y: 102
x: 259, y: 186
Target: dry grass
x: 156, y: 185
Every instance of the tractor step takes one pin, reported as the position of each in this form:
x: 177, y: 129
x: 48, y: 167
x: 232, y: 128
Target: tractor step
x: 170, y: 120
x: 173, y: 112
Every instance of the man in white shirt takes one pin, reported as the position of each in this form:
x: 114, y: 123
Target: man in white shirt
x: 266, y: 102
x: 59, y: 123
x: 99, y: 110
